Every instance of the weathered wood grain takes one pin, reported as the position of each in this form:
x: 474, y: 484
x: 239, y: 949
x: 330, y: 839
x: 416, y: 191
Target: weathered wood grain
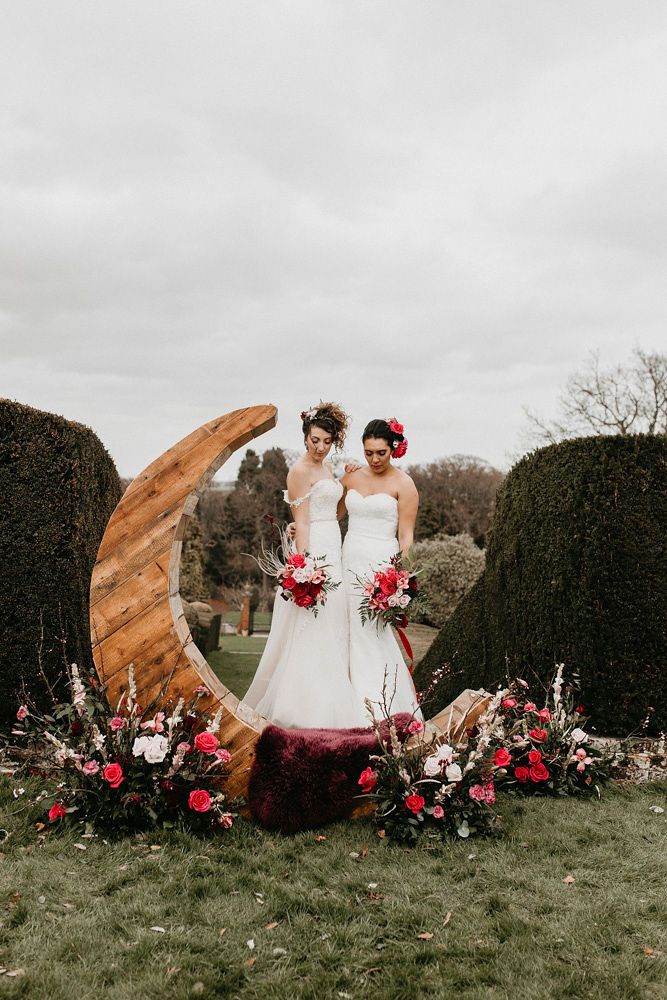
x: 135, y: 610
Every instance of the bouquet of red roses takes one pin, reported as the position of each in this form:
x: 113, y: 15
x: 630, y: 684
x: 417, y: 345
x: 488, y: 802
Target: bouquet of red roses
x: 389, y: 594
x: 303, y: 579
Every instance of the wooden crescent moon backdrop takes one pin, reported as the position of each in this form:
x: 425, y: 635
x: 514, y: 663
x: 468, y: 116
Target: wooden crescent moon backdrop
x: 136, y: 614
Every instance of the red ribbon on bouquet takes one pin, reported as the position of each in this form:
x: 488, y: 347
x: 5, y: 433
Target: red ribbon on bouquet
x: 399, y: 625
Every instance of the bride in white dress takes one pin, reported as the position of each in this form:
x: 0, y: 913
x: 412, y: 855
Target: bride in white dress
x: 303, y: 680
x: 382, y: 503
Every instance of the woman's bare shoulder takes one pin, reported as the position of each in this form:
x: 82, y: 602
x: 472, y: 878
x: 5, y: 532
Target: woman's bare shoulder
x: 405, y: 483
x: 298, y: 479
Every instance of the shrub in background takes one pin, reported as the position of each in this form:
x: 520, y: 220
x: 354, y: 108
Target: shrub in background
x: 58, y: 488
x: 453, y: 563
x: 575, y: 573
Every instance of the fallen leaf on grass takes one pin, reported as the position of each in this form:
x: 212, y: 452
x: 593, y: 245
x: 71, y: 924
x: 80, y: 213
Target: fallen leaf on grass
x: 251, y: 943
x: 425, y: 937
x: 382, y: 834
x: 568, y: 880
x: 376, y: 968
x: 364, y: 852
x: 160, y: 930
x: 354, y: 854
x: 269, y: 927
x: 250, y: 961
x: 158, y: 847
x: 652, y: 952
x: 39, y: 826
x: 122, y: 868
x: 657, y: 809
x: 526, y: 843
x: 447, y: 919
x: 375, y: 895
x: 81, y: 847
x: 320, y: 840
x: 173, y: 972
x: 279, y: 951
x: 16, y: 972
x: 69, y: 906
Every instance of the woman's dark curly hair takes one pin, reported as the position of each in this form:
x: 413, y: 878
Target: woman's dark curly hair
x: 329, y: 417
x: 386, y: 430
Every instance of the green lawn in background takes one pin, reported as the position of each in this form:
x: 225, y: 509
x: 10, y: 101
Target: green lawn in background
x: 236, y: 662
x: 262, y: 619
x: 568, y: 905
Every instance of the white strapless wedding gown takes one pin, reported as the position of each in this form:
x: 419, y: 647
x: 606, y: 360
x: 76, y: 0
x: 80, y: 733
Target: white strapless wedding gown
x: 370, y: 542
x: 303, y: 679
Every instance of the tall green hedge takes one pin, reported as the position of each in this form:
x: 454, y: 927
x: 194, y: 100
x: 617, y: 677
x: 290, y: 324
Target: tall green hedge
x: 58, y: 487
x: 575, y: 573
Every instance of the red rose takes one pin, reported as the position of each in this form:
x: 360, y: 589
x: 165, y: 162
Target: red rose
x: 415, y: 803
x: 387, y: 587
x: 395, y: 426
x: 521, y: 774
x: 56, y: 811
x: 539, y: 735
x: 305, y: 601
x: 580, y: 709
x: 534, y: 757
x: 509, y: 702
x: 368, y: 779
x: 538, y: 772
x: 316, y: 588
x: 288, y: 583
x: 206, y: 742
x: 502, y: 758
x: 297, y: 560
x: 300, y: 589
x: 199, y: 800
x: 544, y: 714
x: 113, y: 773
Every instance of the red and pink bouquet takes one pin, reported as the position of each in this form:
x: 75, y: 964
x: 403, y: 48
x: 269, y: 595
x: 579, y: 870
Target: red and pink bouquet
x: 303, y: 579
x: 389, y: 594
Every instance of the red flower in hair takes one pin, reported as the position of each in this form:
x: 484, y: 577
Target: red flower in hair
x: 400, y: 449
x: 395, y: 426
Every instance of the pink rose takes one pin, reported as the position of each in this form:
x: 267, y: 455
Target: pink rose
x: 226, y: 820
x: 117, y: 723
x: 184, y: 748
x: 56, y: 811
x: 489, y: 793
x: 438, y: 812
x: 202, y: 689
x: 22, y: 712
x: 477, y: 793
x: 113, y: 773
x: 521, y: 774
x: 538, y: 772
x: 530, y: 706
x: 206, y: 742
x: 509, y: 702
x: 90, y: 767
x: 544, y: 714
x: 415, y: 803
x: 534, y: 757
x: 539, y: 735
x: 502, y: 757
x: 223, y: 755
x: 199, y: 800
x: 368, y: 779
x: 415, y: 726
x: 297, y: 560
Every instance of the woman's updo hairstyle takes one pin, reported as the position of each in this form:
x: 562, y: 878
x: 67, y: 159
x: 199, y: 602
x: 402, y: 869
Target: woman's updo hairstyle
x: 390, y: 431
x: 329, y: 418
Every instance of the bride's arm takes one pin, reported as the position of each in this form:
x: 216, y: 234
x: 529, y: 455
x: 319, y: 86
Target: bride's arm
x: 408, y: 504
x: 297, y: 486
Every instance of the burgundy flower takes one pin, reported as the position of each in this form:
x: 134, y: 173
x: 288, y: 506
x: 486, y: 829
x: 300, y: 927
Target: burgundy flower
x: 77, y: 727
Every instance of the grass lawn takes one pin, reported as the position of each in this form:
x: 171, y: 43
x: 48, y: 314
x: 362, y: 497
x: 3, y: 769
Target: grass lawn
x: 339, y: 912
x: 236, y: 662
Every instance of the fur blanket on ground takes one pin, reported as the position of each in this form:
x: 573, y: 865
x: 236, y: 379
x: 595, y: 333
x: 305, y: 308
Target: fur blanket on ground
x: 303, y: 778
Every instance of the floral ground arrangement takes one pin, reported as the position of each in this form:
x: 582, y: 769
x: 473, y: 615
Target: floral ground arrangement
x: 450, y: 786
x: 568, y: 905
x: 129, y: 768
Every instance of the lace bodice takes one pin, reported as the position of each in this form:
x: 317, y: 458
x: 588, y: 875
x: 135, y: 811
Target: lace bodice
x: 374, y: 516
x: 324, y: 496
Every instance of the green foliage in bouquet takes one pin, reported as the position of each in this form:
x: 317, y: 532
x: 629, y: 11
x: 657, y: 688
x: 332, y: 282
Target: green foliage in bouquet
x: 575, y: 570
x: 129, y: 770
x: 58, y: 488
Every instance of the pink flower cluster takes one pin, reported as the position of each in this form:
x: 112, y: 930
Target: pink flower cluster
x: 483, y: 793
x: 390, y: 588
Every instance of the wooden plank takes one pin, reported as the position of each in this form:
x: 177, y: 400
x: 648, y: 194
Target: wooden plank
x: 128, y: 600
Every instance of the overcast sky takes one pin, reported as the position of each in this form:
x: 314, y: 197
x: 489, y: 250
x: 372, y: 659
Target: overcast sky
x: 431, y: 209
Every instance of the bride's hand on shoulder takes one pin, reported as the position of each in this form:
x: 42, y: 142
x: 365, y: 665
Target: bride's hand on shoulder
x: 352, y: 467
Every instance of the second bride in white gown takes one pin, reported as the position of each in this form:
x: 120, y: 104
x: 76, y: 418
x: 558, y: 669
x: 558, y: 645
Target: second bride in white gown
x: 303, y: 679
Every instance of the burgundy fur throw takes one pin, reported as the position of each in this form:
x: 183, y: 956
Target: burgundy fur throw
x: 302, y: 778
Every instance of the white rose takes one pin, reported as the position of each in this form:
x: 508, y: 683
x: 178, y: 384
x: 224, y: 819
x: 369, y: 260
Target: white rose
x: 445, y: 752
x: 404, y: 600
x: 579, y: 736
x: 300, y: 575
x: 453, y: 772
x: 392, y: 600
x: 156, y: 749
x: 432, y: 765
x: 139, y: 745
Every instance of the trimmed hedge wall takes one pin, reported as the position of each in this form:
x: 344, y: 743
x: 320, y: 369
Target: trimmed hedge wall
x: 58, y: 488
x: 575, y: 573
